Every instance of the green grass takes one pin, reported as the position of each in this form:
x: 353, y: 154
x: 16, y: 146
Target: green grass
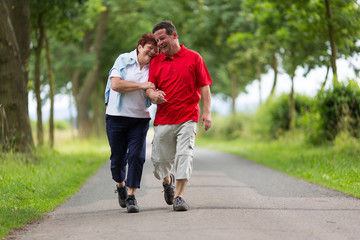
x: 334, y: 166
x: 33, y: 185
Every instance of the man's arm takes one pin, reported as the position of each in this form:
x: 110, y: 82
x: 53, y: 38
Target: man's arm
x: 123, y: 86
x: 206, y: 99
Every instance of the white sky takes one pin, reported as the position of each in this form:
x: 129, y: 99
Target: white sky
x: 245, y: 102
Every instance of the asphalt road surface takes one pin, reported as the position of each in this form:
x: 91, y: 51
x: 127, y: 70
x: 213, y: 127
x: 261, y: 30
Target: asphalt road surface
x: 229, y: 198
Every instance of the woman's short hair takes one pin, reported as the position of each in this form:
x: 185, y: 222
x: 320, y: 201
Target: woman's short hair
x: 146, y: 38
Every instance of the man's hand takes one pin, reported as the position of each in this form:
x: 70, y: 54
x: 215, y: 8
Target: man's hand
x: 156, y: 96
x: 206, y: 119
x: 206, y: 99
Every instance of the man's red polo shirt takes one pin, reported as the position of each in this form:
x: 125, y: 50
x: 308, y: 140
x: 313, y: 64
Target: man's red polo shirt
x: 180, y: 78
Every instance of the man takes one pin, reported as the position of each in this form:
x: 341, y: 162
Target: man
x: 181, y: 78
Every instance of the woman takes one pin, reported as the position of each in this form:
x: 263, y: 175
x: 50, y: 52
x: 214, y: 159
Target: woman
x: 127, y: 118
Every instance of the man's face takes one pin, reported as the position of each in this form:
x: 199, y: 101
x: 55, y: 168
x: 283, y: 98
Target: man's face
x: 165, y: 42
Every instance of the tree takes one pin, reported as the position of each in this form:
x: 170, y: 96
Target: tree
x: 14, y: 59
x: 239, y: 40
x: 216, y: 21
x: 279, y: 31
x: 52, y: 90
x: 331, y: 30
x: 340, y: 13
x: 39, y: 31
x: 263, y: 35
x: 65, y: 21
x: 325, y: 25
x: 84, y: 91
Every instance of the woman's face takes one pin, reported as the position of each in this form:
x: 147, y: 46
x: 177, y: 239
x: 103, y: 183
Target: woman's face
x: 147, y: 52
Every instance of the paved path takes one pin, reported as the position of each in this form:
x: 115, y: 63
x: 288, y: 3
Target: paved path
x: 230, y: 198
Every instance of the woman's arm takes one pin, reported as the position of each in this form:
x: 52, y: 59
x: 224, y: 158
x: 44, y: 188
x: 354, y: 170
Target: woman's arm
x: 123, y: 86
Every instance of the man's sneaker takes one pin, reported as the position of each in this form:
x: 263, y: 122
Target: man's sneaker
x: 180, y: 204
x: 131, y: 204
x: 169, y: 190
x: 122, y: 195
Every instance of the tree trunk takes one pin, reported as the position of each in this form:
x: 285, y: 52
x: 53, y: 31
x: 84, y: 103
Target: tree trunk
x: 37, y: 83
x: 14, y: 59
x: 97, y: 120
x: 326, y: 77
x: 274, y: 65
x: 51, y: 92
x: 234, y: 93
x: 72, y: 119
x: 332, y: 40
x: 292, y: 105
x: 91, y: 80
x: 258, y: 73
x: 75, y: 93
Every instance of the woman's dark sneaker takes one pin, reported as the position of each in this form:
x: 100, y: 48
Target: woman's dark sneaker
x: 169, y: 190
x: 180, y: 204
x: 122, y: 195
x: 131, y: 204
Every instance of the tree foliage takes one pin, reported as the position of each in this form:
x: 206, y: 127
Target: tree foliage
x: 239, y: 41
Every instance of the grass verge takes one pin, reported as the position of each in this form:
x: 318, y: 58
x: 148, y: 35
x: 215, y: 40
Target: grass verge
x: 334, y: 166
x: 33, y: 185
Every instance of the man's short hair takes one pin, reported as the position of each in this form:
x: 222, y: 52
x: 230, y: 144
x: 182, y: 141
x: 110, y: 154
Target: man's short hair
x: 167, y: 25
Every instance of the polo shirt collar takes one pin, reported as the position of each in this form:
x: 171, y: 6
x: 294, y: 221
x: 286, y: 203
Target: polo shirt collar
x: 133, y: 55
x: 180, y: 53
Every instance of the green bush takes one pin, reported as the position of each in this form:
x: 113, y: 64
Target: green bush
x: 338, y: 110
x: 58, y: 125
x: 278, y: 110
x: 229, y: 127
x: 273, y: 117
x: 62, y: 125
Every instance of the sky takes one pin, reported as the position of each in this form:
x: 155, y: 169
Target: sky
x: 246, y: 102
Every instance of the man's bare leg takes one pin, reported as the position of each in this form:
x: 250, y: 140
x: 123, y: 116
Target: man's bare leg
x: 180, y: 187
x: 169, y: 189
x: 179, y: 202
x: 167, y: 179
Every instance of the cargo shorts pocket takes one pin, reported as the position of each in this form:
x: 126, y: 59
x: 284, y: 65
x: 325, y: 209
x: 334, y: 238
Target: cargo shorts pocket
x: 192, y: 140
